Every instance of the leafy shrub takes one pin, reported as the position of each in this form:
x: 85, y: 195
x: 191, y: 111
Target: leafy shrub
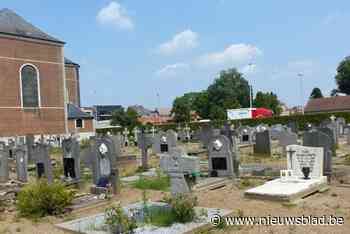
x: 41, y: 199
x: 118, y: 222
x: 301, y: 120
x: 183, y: 207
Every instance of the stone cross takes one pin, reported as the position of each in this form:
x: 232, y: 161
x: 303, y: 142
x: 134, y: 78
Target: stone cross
x: 153, y: 130
x: 136, y: 132
x: 176, y: 165
x: 126, y: 136
x: 187, y: 132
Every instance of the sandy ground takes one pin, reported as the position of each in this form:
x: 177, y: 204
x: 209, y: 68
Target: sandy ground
x: 335, y: 201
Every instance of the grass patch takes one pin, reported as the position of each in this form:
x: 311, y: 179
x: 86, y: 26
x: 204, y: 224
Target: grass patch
x: 161, y: 217
x: 245, y: 183
x: 160, y: 182
x: 289, y: 204
x: 56, y: 150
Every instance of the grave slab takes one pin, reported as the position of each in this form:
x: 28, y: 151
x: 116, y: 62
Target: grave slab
x: 279, y: 190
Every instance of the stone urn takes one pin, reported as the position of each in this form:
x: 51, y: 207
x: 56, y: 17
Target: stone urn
x: 306, y: 172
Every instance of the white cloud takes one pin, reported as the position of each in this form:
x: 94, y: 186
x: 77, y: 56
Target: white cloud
x: 172, y: 69
x: 116, y: 15
x: 180, y: 42
x: 249, y: 69
x: 235, y: 54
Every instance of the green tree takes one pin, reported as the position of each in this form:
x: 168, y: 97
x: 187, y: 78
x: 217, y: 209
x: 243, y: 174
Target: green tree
x: 182, y: 107
x: 316, y: 93
x: 343, y: 76
x: 229, y: 91
x: 125, y: 119
x: 268, y: 100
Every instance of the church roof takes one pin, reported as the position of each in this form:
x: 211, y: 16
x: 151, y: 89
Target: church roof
x: 74, y: 112
x: 70, y: 62
x: 15, y: 25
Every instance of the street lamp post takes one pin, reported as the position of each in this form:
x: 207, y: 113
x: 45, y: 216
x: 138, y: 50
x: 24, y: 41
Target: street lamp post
x: 250, y: 89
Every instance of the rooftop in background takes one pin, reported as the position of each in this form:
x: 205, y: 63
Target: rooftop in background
x: 104, y: 112
x: 75, y: 113
x: 328, y: 104
x: 14, y: 25
x: 70, y: 62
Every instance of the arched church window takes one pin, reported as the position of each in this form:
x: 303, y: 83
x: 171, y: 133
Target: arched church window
x: 30, y: 86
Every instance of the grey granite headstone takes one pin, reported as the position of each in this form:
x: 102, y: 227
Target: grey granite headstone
x: 220, y: 157
x: 104, y: 163
x: 262, y: 143
x: 22, y: 163
x: 175, y: 171
x: 43, y: 161
x: 4, y: 166
x: 293, y: 126
x: 71, y: 158
x: 316, y: 138
x: 145, y: 141
x: 246, y: 135
x: 30, y: 144
x: 287, y: 138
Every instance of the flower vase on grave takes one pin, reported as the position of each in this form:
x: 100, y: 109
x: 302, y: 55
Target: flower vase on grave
x: 306, y: 172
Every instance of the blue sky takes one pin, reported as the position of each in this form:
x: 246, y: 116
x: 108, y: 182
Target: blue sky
x: 130, y: 50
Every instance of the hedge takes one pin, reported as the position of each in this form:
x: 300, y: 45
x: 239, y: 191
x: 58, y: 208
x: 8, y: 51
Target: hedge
x: 301, y: 120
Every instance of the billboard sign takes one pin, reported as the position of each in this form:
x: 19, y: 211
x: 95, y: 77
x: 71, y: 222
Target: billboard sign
x: 235, y: 114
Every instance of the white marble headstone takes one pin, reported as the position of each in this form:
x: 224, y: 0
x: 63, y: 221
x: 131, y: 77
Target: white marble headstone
x: 302, y: 156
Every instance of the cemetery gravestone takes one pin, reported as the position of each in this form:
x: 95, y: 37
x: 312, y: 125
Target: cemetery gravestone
x: 22, y: 163
x: 43, y: 161
x: 145, y: 142
x: 221, y: 158
x: 287, y: 138
x: 104, y: 164
x: 30, y: 144
x: 262, y: 143
x: 245, y: 135
x: 316, y: 138
x: 305, y: 162
x: 176, y: 173
x: 71, y: 158
x: 293, y: 126
x: 4, y: 166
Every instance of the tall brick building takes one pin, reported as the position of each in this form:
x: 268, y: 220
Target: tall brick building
x: 37, y: 83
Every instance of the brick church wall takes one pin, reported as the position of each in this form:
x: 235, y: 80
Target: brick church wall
x: 48, y: 58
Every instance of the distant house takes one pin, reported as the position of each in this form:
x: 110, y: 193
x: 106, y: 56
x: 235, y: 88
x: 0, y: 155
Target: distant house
x: 103, y: 115
x: 157, y: 117
x: 80, y: 122
x: 328, y: 104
